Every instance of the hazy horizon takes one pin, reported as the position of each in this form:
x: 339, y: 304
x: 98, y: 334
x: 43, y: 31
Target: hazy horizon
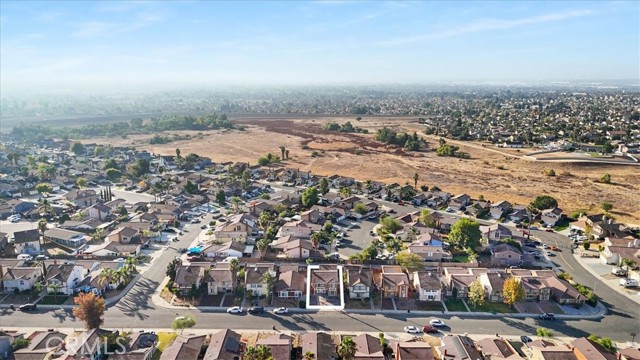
x: 129, y: 46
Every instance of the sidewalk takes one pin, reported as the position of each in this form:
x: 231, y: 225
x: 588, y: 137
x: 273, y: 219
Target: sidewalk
x: 603, y: 273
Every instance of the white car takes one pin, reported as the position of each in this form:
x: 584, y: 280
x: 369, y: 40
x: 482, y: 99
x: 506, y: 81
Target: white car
x: 281, y: 311
x: 436, y: 323
x: 411, y: 330
x: 235, y: 310
x: 120, y: 260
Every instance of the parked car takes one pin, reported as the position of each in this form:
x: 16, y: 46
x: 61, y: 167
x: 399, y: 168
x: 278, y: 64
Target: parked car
x: 628, y: 283
x: 553, y: 248
x: 436, y: 323
x: 547, y: 316
x: 412, y: 329
x: 28, y: 307
x: 42, y: 257
x: 256, y: 310
x: 525, y: 339
x: 428, y: 329
x: 203, y: 227
x: 235, y: 310
x: 26, y: 257
x: 281, y: 311
x: 549, y: 230
x: 619, y: 271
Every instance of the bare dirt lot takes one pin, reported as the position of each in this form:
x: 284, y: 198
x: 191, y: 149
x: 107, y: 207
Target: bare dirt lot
x: 495, y: 173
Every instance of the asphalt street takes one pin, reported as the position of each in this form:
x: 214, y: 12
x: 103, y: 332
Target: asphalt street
x: 136, y: 310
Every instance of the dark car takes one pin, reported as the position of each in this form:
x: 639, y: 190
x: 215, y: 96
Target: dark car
x: 546, y: 316
x: 428, y: 329
x: 525, y: 339
x: 256, y: 310
x: 28, y: 307
x: 203, y: 227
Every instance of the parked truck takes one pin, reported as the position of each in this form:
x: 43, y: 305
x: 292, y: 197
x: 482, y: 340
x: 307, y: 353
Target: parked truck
x: 629, y: 283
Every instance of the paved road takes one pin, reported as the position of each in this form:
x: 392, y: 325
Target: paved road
x: 135, y: 310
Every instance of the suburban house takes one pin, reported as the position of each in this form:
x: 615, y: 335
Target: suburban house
x: 220, y: 280
x: 563, y: 293
x: 505, y: 255
x: 458, y: 347
x: 225, y: 345
x: 498, y: 349
x: 615, y: 254
x: 499, y: 210
x: 585, y: 349
x: 27, y: 242
x: 300, y: 249
x: 123, y: 235
x: 253, y: 278
x: 368, y: 348
x: 429, y: 253
x: 460, y: 202
x: 414, y: 350
x: 279, y: 344
x: 519, y: 213
x: 184, y: 347
x: 64, y: 237
x: 325, y: 281
x: 291, y: 284
x: 63, y: 278
x: 189, y: 277
x: 42, y: 345
x: 237, y: 228
x: 300, y: 229
x: 20, y: 278
x: 551, y: 216
x: 99, y: 211
x: 140, y: 346
x: 395, y: 283
x: 82, y: 198
x: 493, y: 283
x: 320, y: 344
x: 359, y: 282
x: 428, y: 286
x: 87, y: 345
x: 230, y: 248
x: 495, y: 232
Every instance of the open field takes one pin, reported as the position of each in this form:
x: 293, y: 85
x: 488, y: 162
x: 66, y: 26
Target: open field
x: 498, y: 174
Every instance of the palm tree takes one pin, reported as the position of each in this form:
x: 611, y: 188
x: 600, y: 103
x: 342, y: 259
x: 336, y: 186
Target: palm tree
x: 347, y: 348
x: 236, y: 201
x: 282, y: 150
x: 315, y: 239
x: 270, y: 280
x: 628, y: 263
x: 263, y: 220
x: 263, y: 246
x: 369, y: 185
x: 42, y: 226
x: 309, y: 355
x: 106, y: 277
x: 415, y: 180
x: 130, y: 265
x: 55, y: 287
x: 44, y: 206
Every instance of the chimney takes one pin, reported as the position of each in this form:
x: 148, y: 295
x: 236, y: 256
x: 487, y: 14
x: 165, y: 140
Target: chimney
x: 445, y: 352
x: 610, y: 221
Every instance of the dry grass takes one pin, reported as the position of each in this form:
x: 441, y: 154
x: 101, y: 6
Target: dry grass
x: 519, y: 182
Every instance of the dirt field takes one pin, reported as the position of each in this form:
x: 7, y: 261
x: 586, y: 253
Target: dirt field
x: 358, y: 155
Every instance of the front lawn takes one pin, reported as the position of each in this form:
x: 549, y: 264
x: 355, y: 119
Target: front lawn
x: 562, y: 225
x: 455, y: 305
x: 493, y: 308
x: 53, y: 300
x: 164, y: 339
x: 461, y: 258
x: 429, y: 306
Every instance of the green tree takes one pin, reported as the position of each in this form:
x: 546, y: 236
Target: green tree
x: 360, y: 208
x: 512, y: 291
x: 81, y: 182
x: 270, y: 280
x: 44, y: 188
x: 42, y: 226
x: 309, y: 355
x: 543, y: 202
x: 416, y: 177
x: 347, y: 348
x: 260, y: 352
x: 410, y: 262
x: 183, y: 322
x: 465, y: 233
x: 44, y: 207
x: 544, y: 332
x: 172, y: 268
x: 606, y: 206
x: 345, y: 192
x: 606, y: 343
x: 190, y: 187
x: 20, y: 343
x: 110, y: 164
x: 427, y: 218
x: 628, y: 263
x: 324, y: 186
x: 390, y: 225
x: 221, y: 198
x: 113, y: 174
x: 263, y: 247
x: 77, y: 148
x: 476, y: 293
x: 310, y: 197
x: 236, y: 202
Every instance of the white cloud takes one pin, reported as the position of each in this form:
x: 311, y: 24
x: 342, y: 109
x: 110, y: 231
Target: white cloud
x: 487, y: 25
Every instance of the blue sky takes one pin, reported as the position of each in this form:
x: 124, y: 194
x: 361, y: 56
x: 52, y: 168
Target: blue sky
x: 62, y: 45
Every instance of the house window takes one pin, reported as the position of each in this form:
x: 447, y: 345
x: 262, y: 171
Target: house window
x: 21, y: 282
